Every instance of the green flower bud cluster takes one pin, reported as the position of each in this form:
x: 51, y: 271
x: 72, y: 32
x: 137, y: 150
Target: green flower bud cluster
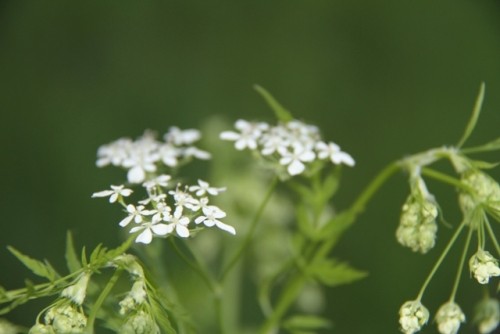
x: 449, y: 317
x: 63, y: 318
x: 417, y: 227
x: 483, y: 266
x: 486, y: 193
x: 412, y: 316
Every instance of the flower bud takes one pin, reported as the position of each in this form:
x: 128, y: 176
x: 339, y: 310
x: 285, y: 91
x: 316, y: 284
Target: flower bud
x: 41, y: 329
x: 140, y: 323
x: 76, y: 292
x: 486, y: 192
x: 412, y: 316
x: 487, y: 315
x: 449, y: 317
x: 417, y: 228
x: 483, y: 266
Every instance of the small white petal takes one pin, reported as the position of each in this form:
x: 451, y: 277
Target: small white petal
x: 199, y: 219
x: 296, y: 167
x: 182, y: 231
x: 125, y: 221
x: 160, y: 229
x: 145, y: 237
x: 104, y: 193
x: 136, y: 175
x: 226, y: 227
x: 229, y: 135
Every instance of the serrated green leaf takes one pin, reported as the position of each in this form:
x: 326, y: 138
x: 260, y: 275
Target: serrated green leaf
x: 474, y: 117
x: 72, y: 261
x: 306, y: 323
x: 334, y: 273
x: 37, y: 267
x: 281, y: 113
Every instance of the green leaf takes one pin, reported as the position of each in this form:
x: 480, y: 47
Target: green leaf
x: 304, y: 222
x: 84, y: 257
x: 71, y: 259
x: 281, y: 113
x: 490, y: 146
x: 37, y: 267
x: 301, y: 323
x: 483, y: 164
x: 334, y: 273
x: 474, y: 117
x: 334, y: 228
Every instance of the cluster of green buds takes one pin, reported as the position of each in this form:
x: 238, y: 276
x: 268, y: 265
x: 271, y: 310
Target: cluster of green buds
x: 135, y: 307
x: 66, y: 314
x: 417, y: 227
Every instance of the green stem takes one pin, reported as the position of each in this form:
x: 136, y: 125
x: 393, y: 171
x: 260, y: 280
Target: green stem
x: 251, y: 231
x: 97, y: 305
x: 440, y: 260
x: 446, y: 179
x: 461, y: 266
x: 492, y: 234
x: 295, y: 283
x: 195, y: 266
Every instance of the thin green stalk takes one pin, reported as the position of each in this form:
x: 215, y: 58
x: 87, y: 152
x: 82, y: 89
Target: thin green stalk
x: 251, y: 231
x: 440, y: 260
x: 492, y: 234
x: 195, y: 266
x: 97, y: 305
x: 446, y: 179
x: 461, y: 265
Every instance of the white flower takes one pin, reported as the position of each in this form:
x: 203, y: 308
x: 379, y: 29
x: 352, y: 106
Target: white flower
x: 412, y: 316
x: 113, y: 153
x: 181, y: 137
x: 484, y: 266
x: 211, y: 217
x: 203, y: 187
x: 295, y: 159
x: 159, y: 181
x: 449, y: 317
x: 179, y: 223
x: 161, y: 212
x: 183, y: 199
x: 332, y: 151
x: 197, y: 153
x: 149, y: 230
x: 77, y: 291
x: 135, y: 213
x: 115, y: 193
x: 138, y: 165
x: 169, y: 155
x: 248, y: 136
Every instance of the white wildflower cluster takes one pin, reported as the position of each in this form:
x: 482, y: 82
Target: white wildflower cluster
x: 449, y: 317
x: 417, y: 227
x: 487, y: 315
x: 135, y: 307
x: 293, y: 144
x: 168, y: 210
x: 66, y: 315
x: 169, y: 207
x: 147, y: 153
x: 412, y: 316
x: 486, y: 193
x: 483, y: 266
x: 62, y: 318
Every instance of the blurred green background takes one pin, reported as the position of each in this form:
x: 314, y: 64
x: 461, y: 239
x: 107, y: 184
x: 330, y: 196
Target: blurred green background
x: 381, y: 78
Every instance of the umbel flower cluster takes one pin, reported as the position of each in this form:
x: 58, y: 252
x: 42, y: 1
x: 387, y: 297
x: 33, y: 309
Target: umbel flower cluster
x: 169, y: 207
x: 479, y: 201
x: 292, y: 144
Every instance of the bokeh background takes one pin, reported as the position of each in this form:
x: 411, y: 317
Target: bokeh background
x: 381, y: 78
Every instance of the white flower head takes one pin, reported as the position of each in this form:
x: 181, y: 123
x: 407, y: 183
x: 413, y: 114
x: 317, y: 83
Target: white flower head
x: 483, y: 266
x: 333, y: 152
x: 449, y: 317
x: 294, y: 160
x: 114, y: 194
x: 184, y: 199
x: 159, y: 181
x: 203, y: 187
x: 487, y: 315
x: 412, y: 316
